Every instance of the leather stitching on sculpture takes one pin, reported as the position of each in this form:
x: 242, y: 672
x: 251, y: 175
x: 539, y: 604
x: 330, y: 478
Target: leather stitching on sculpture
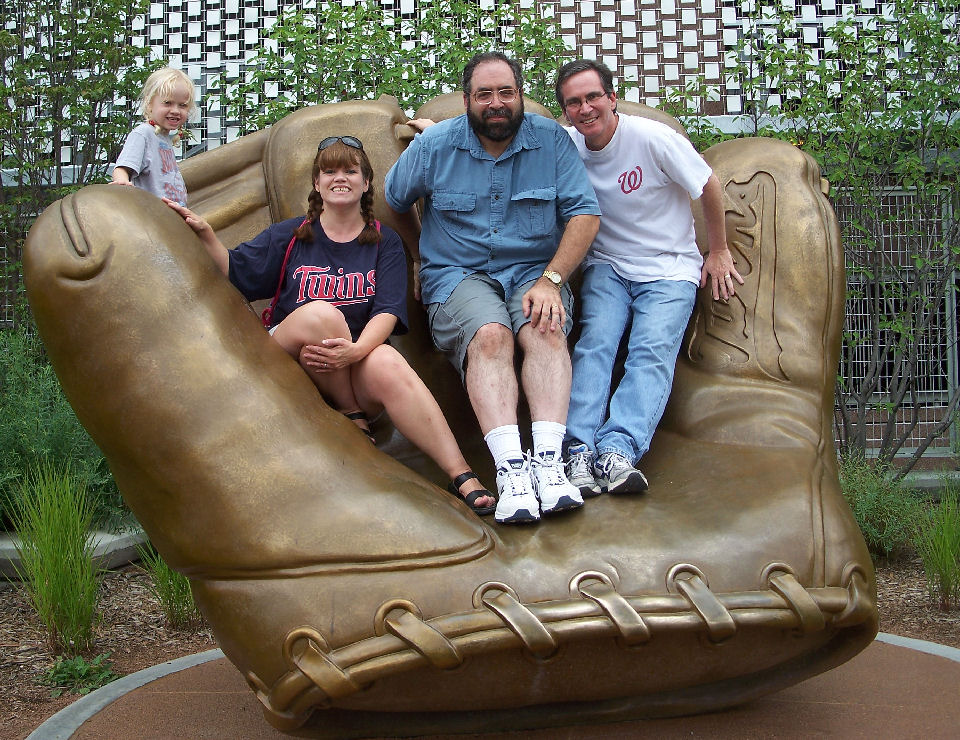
x: 633, y: 630
x: 746, y: 328
x: 523, y: 622
x: 306, y: 648
x: 720, y: 624
x: 431, y: 644
x: 860, y: 606
x: 803, y: 605
x: 786, y: 605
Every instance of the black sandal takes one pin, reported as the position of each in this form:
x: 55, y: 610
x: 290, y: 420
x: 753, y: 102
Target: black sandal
x: 471, y: 498
x: 361, y: 416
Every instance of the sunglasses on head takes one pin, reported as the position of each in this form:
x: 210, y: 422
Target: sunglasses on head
x: 351, y: 141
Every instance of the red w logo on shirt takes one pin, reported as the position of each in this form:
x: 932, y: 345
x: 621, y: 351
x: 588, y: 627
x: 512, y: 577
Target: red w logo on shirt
x: 631, y: 180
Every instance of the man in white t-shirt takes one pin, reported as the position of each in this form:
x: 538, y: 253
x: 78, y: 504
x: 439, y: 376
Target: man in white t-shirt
x: 642, y: 272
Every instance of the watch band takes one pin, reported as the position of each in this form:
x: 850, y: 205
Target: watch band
x: 554, y: 277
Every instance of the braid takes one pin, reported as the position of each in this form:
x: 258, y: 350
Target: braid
x: 314, y: 209
x: 370, y: 233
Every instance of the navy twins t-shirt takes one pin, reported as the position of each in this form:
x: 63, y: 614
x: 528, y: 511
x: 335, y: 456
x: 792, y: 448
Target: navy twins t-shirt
x: 362, y: 280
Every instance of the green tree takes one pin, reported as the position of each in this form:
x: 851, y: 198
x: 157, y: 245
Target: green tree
x: 38, y: 425
x: 68, y: 76
x: 879, y: 107
x: 336, y: 52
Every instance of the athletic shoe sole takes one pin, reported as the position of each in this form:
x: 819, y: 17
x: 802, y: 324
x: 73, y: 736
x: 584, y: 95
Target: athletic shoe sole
x: 590, y: 491
x: 636, y: 482
x: 587, y: 490
x: 565, y: 503
x: 521, y: 516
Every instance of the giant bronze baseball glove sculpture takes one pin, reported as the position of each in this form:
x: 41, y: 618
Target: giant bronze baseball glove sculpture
x: 358, y: 598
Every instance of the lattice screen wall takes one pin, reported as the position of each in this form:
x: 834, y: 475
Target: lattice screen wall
x: 655, y: 44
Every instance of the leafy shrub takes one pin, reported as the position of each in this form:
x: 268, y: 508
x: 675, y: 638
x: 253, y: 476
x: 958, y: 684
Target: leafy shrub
x: 38, y: 424
x: 878, y: 106
x: 171, y: 589
x: 52, y: 517
x: 78, y: 676
x: 329, y: 52
x: 886, y: 512
x: 68, y: 76
x: 938, y: 543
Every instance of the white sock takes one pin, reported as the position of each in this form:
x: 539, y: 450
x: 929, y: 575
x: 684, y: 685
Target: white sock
x: 504, y: 444
x: 548, y: 439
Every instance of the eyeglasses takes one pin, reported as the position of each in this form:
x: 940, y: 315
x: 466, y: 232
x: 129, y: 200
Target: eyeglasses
x: 351, y: 141
x: 505, y: 94
x: 591, y: 99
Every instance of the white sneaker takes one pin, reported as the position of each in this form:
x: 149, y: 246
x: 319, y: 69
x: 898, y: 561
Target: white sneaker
x: 615, y: 474
x: 518, y: 501
x: 580, y: 470
x: 553, y: 489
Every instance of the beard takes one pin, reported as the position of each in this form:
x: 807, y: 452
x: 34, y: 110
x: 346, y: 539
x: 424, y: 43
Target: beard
x: 499, y: 130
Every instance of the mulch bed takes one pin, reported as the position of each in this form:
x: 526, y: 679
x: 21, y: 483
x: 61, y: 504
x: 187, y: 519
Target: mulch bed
x: 906, y: 609
x: 131, y: 629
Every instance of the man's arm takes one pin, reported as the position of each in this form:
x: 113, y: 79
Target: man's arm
x: 402, y: 188
x: 718, y: 265
x: 577, y: 203
x: 542, y: 302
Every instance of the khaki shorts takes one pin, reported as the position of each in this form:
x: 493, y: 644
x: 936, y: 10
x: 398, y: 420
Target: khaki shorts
x: 476, y: 301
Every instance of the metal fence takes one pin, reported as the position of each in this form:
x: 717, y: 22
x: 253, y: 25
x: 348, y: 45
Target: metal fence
x: 9, y: 283
x: 903, y: 218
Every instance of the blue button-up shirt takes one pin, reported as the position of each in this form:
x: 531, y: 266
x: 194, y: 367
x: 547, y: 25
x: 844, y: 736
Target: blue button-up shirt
x: 503, y: 217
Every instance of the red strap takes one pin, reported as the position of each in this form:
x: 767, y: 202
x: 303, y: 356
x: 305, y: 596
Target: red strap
x: 267, y: 314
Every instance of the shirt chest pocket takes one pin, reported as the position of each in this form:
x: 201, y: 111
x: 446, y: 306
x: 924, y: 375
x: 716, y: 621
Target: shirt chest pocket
x: 536, y: 211
x: 456, y: 211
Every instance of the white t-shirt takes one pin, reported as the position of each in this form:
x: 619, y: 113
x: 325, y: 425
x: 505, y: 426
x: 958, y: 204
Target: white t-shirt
x: 644, y: 179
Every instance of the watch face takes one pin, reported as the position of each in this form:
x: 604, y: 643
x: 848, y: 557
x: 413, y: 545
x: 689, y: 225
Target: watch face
x: 553, y: 277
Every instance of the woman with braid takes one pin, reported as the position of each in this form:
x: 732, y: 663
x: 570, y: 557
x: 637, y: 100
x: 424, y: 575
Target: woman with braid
x: 343, y: 284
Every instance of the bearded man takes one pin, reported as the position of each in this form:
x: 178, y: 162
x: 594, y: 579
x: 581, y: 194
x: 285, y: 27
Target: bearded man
x: 509, y: 213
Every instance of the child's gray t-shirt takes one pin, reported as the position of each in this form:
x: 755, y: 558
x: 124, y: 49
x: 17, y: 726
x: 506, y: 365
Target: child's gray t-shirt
x: 150, y: 156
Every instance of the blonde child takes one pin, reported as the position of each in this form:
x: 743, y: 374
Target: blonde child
x: 147, y: 160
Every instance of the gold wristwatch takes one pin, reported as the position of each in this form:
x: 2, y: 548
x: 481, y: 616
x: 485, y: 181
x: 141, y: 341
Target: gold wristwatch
x: 553, y: 277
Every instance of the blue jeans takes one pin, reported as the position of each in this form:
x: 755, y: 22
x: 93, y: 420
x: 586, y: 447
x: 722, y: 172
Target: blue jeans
x: 660, y: 311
